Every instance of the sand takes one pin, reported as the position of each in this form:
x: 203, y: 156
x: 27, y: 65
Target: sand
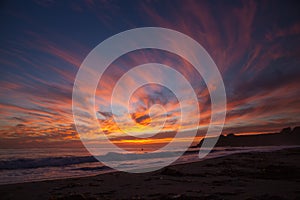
x: 257, y: 175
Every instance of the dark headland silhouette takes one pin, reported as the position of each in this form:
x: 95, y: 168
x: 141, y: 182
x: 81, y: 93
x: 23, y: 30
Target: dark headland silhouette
x: 286, y: 136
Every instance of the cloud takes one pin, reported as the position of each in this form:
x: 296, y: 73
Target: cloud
x: 254, y: 45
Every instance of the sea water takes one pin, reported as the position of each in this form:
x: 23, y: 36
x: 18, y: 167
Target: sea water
x: 27, y: 165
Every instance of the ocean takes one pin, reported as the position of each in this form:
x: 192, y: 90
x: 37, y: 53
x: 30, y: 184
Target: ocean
x: 28, y: 165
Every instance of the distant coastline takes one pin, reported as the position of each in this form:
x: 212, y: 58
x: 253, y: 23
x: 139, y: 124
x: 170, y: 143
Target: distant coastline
x: 286, y: 136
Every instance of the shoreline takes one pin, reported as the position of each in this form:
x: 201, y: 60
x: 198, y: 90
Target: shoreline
x: 229, y: 151
x: 252, y: 175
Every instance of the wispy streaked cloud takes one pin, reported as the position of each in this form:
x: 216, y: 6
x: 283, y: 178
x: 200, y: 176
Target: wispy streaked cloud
x: 254, y: 45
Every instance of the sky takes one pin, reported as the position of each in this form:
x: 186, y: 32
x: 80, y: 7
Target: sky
x: 255, y: 45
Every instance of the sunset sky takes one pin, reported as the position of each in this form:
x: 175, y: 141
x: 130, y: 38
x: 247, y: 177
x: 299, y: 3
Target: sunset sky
x: 255, y: 45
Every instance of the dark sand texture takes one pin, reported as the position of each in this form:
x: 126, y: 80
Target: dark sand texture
x: 269, y: 175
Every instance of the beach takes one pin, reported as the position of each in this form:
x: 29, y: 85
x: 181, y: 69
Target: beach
x: 251, y: 175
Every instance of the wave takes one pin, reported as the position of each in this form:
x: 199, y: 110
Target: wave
x: 31, y: 163
x: 28, y: 163
x: 92, y: 168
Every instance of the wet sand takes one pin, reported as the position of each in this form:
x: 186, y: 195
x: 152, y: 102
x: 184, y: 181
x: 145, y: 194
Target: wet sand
x: 257, y: 175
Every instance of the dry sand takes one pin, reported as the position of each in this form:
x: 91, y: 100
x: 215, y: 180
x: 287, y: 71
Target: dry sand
x: 268, y: 175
